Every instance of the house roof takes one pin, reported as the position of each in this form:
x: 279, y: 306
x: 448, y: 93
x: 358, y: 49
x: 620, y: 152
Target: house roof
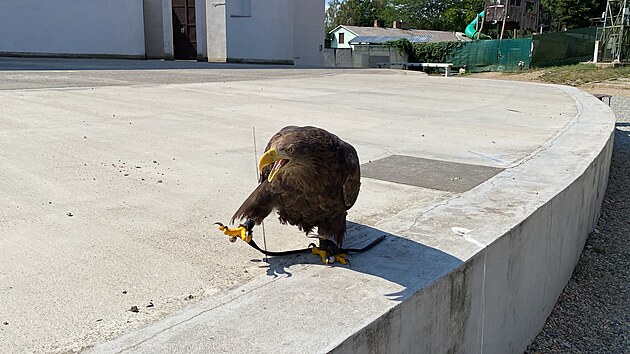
x: 384, y: 39
x: 392, y: 34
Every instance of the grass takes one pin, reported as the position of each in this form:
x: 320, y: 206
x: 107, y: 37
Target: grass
x: 580, y: 74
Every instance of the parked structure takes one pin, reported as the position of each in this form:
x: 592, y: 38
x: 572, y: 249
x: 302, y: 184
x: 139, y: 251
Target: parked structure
x: 273, y: 31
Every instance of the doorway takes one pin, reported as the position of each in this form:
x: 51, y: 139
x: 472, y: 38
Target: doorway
x: 184, y: 29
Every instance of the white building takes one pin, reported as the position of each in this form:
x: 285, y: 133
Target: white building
x: 264, y: 31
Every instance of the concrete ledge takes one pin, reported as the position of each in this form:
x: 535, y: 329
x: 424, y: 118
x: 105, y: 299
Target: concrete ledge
x: 479, y: 272
x: 498, y: 299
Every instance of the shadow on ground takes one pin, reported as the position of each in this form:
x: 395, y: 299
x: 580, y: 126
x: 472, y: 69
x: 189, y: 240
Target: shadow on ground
x: 396, y: 259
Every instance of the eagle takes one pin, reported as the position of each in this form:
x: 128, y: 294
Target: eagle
x: 311, y: 178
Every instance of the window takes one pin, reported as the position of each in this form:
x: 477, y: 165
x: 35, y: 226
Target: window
x: 341, y: 39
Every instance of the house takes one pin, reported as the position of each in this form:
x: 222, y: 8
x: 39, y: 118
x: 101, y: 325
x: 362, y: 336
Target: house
x: 350, y: 36
x: 270, y: 31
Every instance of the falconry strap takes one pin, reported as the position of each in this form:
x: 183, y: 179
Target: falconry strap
x: 244, y: 232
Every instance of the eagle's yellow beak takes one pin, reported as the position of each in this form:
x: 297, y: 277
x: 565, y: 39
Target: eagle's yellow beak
x: 269, y: 157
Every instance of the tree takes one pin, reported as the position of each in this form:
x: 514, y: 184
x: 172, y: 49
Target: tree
x: 353, y: 13
x: 559, y: 14
x: 460, y: 13
x: 450, y: 15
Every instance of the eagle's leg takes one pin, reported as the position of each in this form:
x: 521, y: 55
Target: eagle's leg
x: 329, y: 252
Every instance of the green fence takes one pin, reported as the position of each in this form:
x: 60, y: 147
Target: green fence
x: 494, y: 55
x: 563, y: 48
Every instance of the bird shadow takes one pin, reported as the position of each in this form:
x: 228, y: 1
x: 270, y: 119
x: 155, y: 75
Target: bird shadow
x: 408, y: 263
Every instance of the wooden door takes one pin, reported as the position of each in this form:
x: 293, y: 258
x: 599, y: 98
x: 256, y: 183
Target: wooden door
x: 184, y: 29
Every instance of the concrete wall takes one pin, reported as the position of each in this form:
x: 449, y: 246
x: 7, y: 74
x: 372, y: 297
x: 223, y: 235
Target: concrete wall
x: 275, y: 31
x: 202, y: 38
x: 498, y: 300
x: 215, y: 31
x: 265, y: 36
x: 72, y: 27
x: 153, y: 29
x: 167, y: 27
x: 308, y: 37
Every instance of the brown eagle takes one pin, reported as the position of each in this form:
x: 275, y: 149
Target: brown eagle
x: 314, y: 180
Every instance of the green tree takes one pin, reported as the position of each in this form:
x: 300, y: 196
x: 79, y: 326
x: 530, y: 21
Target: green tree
x: 451, y: 15
x: 460, y: 13
x: 354, y: 12
x: 559, y: 14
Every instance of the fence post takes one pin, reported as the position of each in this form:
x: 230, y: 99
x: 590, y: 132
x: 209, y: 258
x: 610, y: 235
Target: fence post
x: 596, y: 52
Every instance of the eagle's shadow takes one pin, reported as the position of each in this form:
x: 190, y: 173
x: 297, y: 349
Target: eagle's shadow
x: 396, y: 259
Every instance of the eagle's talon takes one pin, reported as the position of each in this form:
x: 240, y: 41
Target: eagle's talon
x: 330, y: 259
x: 341, y: 258
x: 242, y: 232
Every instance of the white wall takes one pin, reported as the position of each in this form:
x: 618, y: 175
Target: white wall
x: 266, y: 35
x: 215, y: 31
x: 83, y: 27
x: 308, y: 32
x: 153, y: 29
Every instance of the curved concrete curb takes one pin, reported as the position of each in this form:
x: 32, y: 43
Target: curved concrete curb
x: 499, y: 298
x: 479, y: 272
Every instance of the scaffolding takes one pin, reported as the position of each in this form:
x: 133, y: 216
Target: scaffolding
x: 613, y: 39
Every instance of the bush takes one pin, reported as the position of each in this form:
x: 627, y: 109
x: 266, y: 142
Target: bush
x: 439, y: 52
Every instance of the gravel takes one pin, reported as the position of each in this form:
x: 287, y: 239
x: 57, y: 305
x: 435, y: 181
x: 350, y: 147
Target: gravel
x: 592, y: 314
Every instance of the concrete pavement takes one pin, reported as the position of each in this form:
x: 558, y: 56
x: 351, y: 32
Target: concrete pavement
x: 112, y: 178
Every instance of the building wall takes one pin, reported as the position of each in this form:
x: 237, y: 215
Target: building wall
x: 72, y: 27
x: 308, y: 37
x: 200, y: 20
x: 167, y: 29
x: 153, y: 29
x: 347, y: 37
x: 275, y: 31
x: 215, y: 31
x: 266, y: 35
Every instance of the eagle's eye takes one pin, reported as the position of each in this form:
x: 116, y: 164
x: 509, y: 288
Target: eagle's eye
x: 290, y: 150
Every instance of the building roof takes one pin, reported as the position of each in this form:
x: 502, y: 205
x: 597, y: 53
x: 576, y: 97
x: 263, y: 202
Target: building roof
x: 392, y: 34
x: 384, y: 39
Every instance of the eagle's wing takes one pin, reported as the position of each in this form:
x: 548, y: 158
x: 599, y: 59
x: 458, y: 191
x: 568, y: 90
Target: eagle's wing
x: 350, y: 164
x: 257, y: 206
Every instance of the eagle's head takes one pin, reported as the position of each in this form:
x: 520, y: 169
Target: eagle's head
x: 290, y: 151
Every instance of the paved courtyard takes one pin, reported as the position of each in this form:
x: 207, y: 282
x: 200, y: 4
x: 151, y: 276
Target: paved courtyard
x: 113, y: 173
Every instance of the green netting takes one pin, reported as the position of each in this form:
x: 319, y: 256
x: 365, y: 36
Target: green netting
x: 563, y: 48
x: 493, y: 55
